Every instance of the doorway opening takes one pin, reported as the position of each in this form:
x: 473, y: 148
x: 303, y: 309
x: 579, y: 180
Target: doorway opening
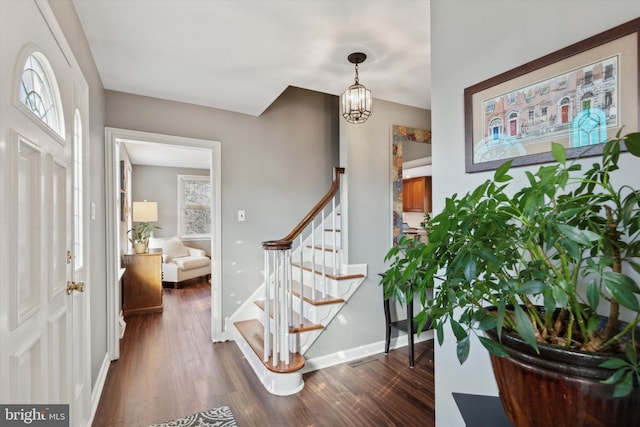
x: 212, y: 149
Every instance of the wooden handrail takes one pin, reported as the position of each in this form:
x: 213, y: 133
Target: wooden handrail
x: 286, y: 242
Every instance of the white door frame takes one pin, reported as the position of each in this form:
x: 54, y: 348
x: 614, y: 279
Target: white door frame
x: 113, y: 136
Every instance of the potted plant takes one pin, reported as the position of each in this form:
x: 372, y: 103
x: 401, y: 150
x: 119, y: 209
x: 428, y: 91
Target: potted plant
x: 541, y: 275
x: 140, y: 234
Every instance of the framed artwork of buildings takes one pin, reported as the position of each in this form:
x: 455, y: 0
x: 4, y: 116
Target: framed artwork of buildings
x: 579, y: 96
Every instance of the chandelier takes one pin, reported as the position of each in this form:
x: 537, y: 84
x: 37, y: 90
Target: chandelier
x: 356, y: 100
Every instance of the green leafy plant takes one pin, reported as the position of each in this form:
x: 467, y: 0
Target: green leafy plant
x: 141, y: 232
x: 539, y: 261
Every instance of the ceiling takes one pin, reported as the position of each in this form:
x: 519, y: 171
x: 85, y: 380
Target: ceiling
x: 240, y: 55
x: 416, y: 168
x: 167, y: 155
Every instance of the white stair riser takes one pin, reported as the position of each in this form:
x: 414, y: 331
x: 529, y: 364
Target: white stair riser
x: 332, y: 286
x: 314, y: 313
x: 317, y: 313
x: 337, y: 289
x: 304, y: 338
x: 322, y: 257
x: 328, y: 238
x: 328, y: 222
x: 328, y: 259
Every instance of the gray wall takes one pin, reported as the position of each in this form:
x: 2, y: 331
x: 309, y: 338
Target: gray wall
x: 68, y: 19
x: 366, y: 156
x: 160, y: 184
x: 297, y: 137
x: 275, y: 167
x: 464, y: 52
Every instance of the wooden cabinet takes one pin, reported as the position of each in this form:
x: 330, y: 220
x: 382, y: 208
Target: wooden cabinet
x: 142, y: 284
x: 416, y: 194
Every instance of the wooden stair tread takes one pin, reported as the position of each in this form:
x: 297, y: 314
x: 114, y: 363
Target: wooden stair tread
x: 328, y: 299
x: 307, y: 325
x: 309, y: 267
x: 253, y: 332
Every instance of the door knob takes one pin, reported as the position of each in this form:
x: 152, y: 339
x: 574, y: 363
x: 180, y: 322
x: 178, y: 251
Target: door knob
x: 75, y: 286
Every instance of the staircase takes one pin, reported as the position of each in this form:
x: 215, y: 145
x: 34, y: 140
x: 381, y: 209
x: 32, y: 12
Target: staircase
x: 306, y: 285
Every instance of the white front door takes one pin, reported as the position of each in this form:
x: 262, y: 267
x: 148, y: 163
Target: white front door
x: 44, y: 351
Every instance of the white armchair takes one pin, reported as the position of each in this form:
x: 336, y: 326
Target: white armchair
x: 180, y: 262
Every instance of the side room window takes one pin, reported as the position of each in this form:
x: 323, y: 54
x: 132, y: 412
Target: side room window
x: 194, y: 207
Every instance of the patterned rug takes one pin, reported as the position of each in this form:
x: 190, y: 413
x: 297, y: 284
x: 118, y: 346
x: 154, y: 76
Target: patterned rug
x: 219, y: 417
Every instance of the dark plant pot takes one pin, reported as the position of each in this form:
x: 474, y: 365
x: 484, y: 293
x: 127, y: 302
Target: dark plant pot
x: 559, y: 387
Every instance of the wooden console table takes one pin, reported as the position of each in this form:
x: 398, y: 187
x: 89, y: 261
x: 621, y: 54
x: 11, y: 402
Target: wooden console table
x: 142, y: 284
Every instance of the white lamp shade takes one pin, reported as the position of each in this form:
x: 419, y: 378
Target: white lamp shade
x: 145, y: 211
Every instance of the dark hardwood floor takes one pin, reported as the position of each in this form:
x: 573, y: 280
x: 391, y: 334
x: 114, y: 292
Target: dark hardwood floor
x: 169, y: 368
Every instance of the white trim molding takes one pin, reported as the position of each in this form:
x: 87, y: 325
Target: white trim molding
x: 113, y: 138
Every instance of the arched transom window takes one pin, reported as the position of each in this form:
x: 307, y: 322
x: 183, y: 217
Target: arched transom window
x: 39, y: 92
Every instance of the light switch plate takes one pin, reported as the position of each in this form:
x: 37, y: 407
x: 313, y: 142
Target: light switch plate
x: 241, y: 215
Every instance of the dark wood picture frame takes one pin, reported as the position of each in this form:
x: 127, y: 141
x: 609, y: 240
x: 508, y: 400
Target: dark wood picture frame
x: 504, y: 120
x: 123, y: 207
x: 124, y: 202
x: 123, y: 183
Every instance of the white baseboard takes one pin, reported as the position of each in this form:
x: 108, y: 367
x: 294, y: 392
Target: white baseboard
x: 96, y: 391
x: 361, y: 352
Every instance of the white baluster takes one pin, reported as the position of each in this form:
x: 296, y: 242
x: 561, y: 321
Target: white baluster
x: 276, y: 310
x: 266, y: 323
x: 301, y: 278
x: 313, y: 260
x: 286, y: 309
x: 324, y: 259
x: 334, y: 236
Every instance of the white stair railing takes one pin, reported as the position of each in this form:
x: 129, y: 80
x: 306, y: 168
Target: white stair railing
x: 279, y: 308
